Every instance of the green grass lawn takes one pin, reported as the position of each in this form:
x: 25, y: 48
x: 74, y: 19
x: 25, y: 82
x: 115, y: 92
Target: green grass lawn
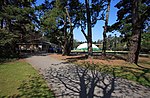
x: 12, y: 76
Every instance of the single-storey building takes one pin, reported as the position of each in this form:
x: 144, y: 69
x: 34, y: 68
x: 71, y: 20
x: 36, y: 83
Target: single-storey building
x: 35, y: 46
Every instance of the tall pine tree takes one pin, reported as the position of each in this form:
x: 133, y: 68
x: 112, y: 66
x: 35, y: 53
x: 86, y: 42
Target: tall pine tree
x: 17, y: 22
x: 135, y: 13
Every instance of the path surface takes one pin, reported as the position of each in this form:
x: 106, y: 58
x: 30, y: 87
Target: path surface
x: 70, y: 81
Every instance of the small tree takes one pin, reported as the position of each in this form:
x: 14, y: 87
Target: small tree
x: 89, y: 14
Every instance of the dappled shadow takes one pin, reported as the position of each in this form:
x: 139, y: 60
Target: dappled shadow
x: 87, y: 82
x: 109, y: 57
x: 141, y: 74
x: 34, y: 87
x: 139, y: 65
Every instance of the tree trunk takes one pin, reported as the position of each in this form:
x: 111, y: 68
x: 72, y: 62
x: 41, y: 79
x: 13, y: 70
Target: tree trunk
x: 67, y: 48
x: 135, y: 41
x: 89, y: 41
x: 1, y: 8
x: 71, y: 30
x: 2, y: 22
x: 68, y: 38
x: 71, y: 39
x: 65, y: 37
x: 104, y: 42
x: 105, y: 29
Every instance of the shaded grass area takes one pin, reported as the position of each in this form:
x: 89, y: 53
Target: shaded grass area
x: 12, y: 76
x: 6, y: 60
x: 139, y: 75
x: 35, y: 87
x: 131, y: 72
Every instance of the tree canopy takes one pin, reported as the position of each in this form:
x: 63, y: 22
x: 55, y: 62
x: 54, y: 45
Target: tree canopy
x: 22, y: 20
x: 18, y: 22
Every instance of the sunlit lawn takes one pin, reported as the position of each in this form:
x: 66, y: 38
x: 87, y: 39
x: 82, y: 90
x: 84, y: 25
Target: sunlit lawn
x: 11, y: 76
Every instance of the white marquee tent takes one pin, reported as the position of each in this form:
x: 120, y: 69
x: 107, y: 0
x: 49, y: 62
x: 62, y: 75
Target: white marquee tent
x: 85, y: 47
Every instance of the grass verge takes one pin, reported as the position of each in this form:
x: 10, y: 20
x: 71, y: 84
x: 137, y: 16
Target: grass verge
x: 14, y: 74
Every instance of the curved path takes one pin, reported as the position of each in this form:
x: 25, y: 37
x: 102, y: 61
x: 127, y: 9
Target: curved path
x: 71, y: 81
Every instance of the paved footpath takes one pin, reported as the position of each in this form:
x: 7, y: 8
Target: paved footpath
x: 70, y: 81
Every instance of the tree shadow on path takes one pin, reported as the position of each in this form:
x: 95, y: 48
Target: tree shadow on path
x: 74, y: 81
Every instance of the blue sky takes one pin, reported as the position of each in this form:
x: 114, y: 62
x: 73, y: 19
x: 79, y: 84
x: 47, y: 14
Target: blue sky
x: 97, y: 30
